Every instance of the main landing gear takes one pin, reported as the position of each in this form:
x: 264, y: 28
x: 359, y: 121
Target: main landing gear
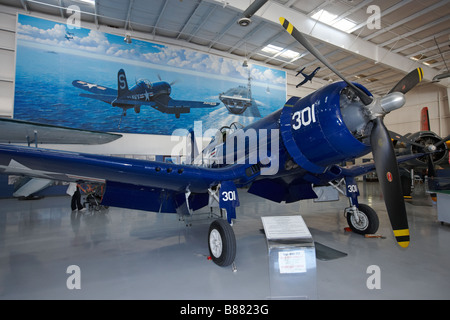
x: 221, y: 237
x: 221, y: 243
x: 361, y: 218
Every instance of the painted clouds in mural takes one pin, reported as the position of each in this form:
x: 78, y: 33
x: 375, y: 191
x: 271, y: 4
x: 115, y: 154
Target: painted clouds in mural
x: 87, y: 79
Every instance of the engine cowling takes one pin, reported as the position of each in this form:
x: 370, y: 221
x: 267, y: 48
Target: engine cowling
x: 326, y: 127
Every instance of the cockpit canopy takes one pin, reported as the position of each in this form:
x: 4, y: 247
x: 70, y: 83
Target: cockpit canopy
x: 144, y: 83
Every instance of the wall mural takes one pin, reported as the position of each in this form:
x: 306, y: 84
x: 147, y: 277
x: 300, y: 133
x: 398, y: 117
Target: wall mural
x: 91, y: 80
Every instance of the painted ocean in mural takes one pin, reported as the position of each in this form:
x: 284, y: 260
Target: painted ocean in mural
x: 49, y: 57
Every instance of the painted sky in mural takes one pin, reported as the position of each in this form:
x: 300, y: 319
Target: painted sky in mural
x: 50, y: 56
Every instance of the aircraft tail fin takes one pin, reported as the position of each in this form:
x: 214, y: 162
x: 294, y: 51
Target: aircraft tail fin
x: 424, y: 120
x: 194, y: 150
x: 122, y: 85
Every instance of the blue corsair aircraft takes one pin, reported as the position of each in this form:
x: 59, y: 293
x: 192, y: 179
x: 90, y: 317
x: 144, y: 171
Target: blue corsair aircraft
x: 308, y: 138
x: 308, y: 77
x: 144, y: 92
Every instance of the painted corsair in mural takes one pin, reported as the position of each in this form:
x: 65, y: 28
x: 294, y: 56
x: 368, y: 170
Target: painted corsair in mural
x: 144, y: 92
x: 287, y: 156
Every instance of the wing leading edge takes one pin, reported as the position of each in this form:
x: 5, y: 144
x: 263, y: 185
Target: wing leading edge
x: 47, y: 163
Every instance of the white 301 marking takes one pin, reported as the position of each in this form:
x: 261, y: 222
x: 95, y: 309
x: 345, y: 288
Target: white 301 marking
x: 304, y: 117
x: 229, y: 195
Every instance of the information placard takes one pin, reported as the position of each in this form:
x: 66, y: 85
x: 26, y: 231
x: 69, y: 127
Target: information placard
x: 292, y: 261
x: 285, y: 227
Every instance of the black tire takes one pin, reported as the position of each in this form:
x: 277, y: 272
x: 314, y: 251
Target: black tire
x: 221, y: 243
x: 369, y: 223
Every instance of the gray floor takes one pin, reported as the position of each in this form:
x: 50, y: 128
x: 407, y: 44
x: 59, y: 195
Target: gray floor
x: 129, y: 254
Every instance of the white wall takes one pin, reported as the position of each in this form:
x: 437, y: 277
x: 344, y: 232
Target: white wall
x: 402, y: 121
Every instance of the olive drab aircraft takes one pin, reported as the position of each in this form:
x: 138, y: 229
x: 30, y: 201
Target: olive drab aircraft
x: 288, y: 153
x: 144, y: 92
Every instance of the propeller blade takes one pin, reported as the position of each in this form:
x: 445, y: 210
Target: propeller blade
x: 442, y: 141
x: 431, y: 170
x: 403, y: 139
x: 409, y: 81
x: 388, y: 175
x: 365, y: 98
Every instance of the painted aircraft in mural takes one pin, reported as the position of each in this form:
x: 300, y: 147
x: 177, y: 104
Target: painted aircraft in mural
x: 144, y: 92
x: 308, y: 77
x: 287, y: 153
x: 69, y: 35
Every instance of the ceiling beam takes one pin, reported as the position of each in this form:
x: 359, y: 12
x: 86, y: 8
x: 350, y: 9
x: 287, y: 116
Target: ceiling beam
x: 329, y: 35
x: 382, y: 13
x: 417, y: 30
x: 407, y: 19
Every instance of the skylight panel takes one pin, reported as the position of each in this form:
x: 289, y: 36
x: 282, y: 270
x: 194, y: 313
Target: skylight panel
x: 324, y: 16
x: 344, y: 25
x: 330, y: 19
x: 279, y: 51
x: 270, y: 48
x: 290, y: 54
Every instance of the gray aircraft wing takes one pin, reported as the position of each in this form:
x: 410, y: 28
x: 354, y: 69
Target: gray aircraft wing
x: 19, y: 131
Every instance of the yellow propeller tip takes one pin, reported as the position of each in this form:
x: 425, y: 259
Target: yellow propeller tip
x: 403, y: 244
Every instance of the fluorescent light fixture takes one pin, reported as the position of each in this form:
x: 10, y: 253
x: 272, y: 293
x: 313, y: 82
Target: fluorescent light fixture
x: 91, y: 2
x: 330, y: 19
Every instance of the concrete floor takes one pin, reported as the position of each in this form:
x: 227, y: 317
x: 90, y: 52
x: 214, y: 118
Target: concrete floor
x: 130, y: 254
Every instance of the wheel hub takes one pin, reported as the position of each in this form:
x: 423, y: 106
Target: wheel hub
x: 359, y: 220
x: 215, y: 243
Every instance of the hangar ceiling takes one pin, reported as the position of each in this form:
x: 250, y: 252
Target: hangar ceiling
x: 410, y: 33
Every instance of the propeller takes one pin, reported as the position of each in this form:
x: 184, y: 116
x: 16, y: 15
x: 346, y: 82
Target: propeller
x: 383, y: 151
x: 171, y: 83
x: 365, y: 98
x: 408, y: 82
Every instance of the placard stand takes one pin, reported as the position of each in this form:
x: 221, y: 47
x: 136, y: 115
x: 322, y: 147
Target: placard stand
x: 292, y: 258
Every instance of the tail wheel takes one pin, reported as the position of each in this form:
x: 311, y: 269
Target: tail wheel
x: 222, y: 243
x: 366, y: 222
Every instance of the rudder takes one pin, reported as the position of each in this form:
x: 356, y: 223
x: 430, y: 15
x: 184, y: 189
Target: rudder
x: 122, y: 85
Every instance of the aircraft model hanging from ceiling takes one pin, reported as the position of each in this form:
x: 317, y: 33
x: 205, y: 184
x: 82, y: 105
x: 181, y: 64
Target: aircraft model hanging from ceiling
x: 336, y: 123
x: 144, y: 92
x: 308, y: 77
